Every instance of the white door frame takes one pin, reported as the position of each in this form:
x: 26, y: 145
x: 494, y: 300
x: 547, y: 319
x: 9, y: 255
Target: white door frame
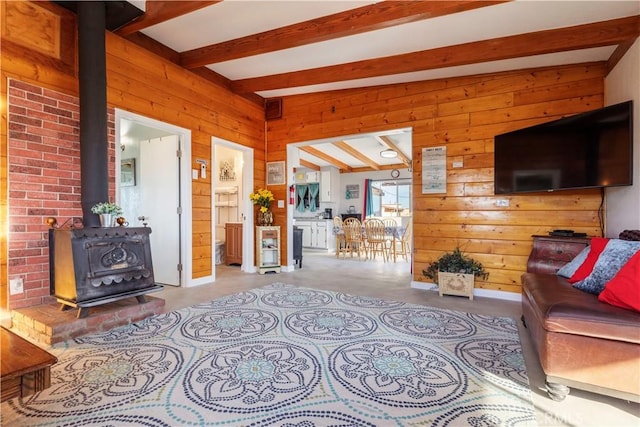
x: 186, y: 275
x: 246, y: 215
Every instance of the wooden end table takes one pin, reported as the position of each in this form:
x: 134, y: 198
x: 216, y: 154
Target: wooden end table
x: 25, y: 368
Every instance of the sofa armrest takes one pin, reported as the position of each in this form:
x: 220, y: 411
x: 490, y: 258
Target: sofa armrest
x: 562, y: 308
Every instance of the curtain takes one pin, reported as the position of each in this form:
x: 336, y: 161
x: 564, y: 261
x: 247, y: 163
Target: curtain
x: 314, y: 191
x: 300, y: 190
x: 368, y: 199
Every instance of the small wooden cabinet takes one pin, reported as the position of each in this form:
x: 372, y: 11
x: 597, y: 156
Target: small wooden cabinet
x: 550, y: 253
x: 233, y: 243
x: 268, y: 249
x: 26, y: 368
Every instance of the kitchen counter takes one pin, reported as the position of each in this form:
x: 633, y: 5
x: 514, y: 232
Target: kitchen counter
x: 311, y: 218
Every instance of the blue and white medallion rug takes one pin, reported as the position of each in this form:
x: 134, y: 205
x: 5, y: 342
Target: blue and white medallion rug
x: 283, y: 355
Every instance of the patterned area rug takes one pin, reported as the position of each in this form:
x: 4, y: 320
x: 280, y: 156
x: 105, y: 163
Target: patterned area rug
x: 289, y: 356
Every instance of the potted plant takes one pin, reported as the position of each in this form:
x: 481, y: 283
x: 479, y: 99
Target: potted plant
x: 263, y: 198
x: 455, y: 273
x: 107, y: 211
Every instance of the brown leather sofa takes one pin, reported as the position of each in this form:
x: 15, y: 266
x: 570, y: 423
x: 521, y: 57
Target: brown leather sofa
x: 581, y: 342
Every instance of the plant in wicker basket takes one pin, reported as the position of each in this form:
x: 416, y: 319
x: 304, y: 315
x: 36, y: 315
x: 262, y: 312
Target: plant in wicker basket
x: 455, y: 262
x: 455, y: 272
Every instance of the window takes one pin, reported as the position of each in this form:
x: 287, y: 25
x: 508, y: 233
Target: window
x: 391, y: 197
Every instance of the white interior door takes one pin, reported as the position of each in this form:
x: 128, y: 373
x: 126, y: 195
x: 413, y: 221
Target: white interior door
x: 160, y: 203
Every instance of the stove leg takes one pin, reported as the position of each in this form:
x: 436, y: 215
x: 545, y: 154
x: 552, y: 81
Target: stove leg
x: 141, y: 299
x: 82, y: 312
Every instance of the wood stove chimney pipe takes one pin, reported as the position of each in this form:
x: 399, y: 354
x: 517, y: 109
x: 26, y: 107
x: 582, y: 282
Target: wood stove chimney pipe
x: 94, y: 160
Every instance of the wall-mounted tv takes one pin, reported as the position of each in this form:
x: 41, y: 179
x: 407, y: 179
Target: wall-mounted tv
x: 588, y: 150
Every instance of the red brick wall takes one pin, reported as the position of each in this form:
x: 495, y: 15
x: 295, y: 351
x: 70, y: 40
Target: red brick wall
x: 44, y: 180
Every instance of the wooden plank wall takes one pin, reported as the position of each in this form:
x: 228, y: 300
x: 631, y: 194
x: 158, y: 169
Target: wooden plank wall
x: 462, y: 114
x: 138, y: 81
x: 144, y: 83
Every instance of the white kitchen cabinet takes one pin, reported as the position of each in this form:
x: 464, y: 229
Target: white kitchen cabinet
x: 315, y: 233
x: 313, y: 176
x: 325, y: 186
x: 321, y: 235
x: 305, y: 226
x: 300, y: 177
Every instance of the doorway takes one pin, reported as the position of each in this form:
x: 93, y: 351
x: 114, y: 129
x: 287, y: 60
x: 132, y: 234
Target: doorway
x: 153, y: 187
x: 348, y: 184
x: 232, y: 182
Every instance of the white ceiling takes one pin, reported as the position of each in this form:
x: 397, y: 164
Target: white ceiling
x: 237, y: 18
x: 232, y: 19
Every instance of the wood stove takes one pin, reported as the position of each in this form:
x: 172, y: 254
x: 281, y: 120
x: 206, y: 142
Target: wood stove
x: 94, y: 266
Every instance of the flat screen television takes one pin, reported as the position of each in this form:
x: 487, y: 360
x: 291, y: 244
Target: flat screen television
x: 587, y: 150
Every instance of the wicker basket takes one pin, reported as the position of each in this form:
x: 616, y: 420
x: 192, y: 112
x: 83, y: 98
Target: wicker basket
x: 455, y: 284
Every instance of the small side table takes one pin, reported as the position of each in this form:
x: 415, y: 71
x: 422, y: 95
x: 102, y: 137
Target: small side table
x: 268, y: 249
x: 550, y: 253
x: 25, y: 368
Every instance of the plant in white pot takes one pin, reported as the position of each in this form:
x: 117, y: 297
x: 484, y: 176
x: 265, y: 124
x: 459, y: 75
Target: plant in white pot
x: 455, y: 273
x: 107, y: 211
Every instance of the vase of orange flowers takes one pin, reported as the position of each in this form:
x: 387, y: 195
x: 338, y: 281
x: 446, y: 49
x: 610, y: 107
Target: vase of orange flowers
x: 263, y: 198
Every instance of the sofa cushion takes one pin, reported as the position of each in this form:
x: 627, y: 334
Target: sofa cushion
x: 616, y: 253
x: 624, y: 289
x: 596, y: 247
x: 572, y: 266
x: 561, y: 308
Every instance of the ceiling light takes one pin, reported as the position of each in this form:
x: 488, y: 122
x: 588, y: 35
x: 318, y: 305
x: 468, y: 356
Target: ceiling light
x: 389, y: 153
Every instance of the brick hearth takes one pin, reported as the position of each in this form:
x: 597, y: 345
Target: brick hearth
x: 49, y: 325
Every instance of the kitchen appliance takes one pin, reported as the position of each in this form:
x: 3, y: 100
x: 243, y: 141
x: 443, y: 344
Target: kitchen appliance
x: 328, y: 213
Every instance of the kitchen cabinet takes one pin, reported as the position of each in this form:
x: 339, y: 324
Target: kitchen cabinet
x: 305, y: 226
x: 307, y: 177
x: 268, y: 249
x: 313, y: 176
x: 315, y: 233
x: 321, y: 235
x: 325, y: 186
x: 233, y: 243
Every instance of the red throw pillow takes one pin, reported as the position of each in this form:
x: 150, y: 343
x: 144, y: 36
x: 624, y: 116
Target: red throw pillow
x: 597, y: 246
x: 624, y: 289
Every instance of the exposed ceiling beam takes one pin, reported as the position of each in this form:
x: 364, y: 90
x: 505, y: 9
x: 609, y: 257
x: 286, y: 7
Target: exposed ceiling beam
x: 385, y: 140
x: 309, y: 165
x: 617, y: 54
x: 356, y: 154
x: 332, y: 160
x: 355, y: 21
x: 158, y: 11
x: 605, y: 33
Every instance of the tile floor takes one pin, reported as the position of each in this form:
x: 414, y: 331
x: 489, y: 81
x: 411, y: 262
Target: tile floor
x: 393, y: 281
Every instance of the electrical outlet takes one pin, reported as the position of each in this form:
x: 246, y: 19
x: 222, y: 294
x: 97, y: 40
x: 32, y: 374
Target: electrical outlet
x: 502, y: 203
x: 16, y: 286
